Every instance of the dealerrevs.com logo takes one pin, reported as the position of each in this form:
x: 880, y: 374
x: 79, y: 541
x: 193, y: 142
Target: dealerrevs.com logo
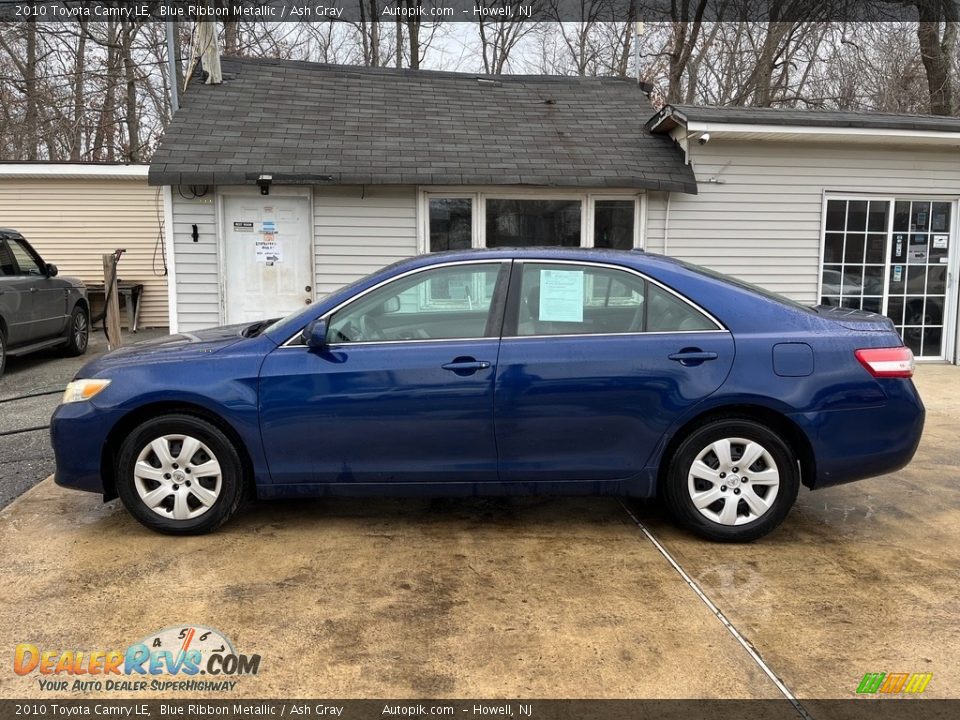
x: 187, y: 657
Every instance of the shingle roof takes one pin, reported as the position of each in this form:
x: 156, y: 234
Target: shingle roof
x: 672, y: 115
x: 311, y: 123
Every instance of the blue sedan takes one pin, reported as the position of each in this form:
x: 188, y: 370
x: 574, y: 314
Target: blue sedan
x: 502, y: 372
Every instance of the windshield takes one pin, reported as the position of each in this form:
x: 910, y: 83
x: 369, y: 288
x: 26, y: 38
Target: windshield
x: 769, y: 294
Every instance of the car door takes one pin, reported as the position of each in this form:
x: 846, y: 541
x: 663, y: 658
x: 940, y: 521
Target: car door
x: 595, y: 363
x: 16, y: 300
x: 403, y: 392
x: 48, y: 296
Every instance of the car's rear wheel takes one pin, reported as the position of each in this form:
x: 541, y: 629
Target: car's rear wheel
x: 179, y: 474
x: 732, y: 480
x: 3, y: 352
x: 78, y: 332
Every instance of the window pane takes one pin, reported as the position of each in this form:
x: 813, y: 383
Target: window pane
x: 28, y: 266
x: 940, y: 220
x: 836, y: 215
x: 857, y: 216
x: 873, y: 280
x: 901, y: 216
x: 877, y: 221
x: 875, y: 248
x: 920, y: 216
x: 937, y: 279
x: 613, y: 224
x: 853, y: 253
x: 526, y: 223
x: 895, y: 310
x: 582, y: 300
x: 833, y: 248
x: 451, y: 224
x: 443, y: 303
x: 931, y: 342
x: 7, y: 267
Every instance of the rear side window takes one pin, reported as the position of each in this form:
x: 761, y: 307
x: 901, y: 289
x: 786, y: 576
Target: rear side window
x: 571, y: 299
x: 26, y: 262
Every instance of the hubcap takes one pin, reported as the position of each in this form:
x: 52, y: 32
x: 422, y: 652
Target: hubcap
x: 80, y: 331
x: 733, y: 481
x: 177, y: 477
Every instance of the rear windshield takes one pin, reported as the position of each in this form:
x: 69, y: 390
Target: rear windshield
x: 769, y: 294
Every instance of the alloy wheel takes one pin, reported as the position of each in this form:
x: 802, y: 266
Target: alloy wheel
x: 733, y: 481
x: 81, y: 331
x: 178, y: 477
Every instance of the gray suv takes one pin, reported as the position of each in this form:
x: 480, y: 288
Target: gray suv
x: 38, y: 310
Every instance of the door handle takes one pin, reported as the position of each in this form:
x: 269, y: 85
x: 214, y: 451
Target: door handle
x: 691, y: 357
x: 465, y: 366
x: 33, y: 289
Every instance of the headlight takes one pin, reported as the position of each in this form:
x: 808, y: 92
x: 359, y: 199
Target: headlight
x: 80, y: 390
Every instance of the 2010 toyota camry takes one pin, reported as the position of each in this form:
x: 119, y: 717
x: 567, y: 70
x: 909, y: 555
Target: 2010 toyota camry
x: 502, y: 372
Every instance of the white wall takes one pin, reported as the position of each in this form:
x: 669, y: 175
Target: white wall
x: 761, y: 219
x: 197, y: 271
x: 360, y: 229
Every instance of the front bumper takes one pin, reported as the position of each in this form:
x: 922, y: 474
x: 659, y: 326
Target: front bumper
x: 78, y: 434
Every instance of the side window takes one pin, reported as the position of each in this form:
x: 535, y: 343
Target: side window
x: 7, y: 267
x: 28, y: 265
x: 561, y: 299
x: 445, y: 303
x: 668, y: 313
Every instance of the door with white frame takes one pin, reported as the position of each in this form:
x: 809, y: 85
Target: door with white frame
x: 267, y: 255
x: 894, y: 256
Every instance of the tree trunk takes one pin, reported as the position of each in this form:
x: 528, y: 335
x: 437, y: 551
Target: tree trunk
x: 76, y: 143
x: 130, y: 76
x: 937, y: 34
x: 30, y: 81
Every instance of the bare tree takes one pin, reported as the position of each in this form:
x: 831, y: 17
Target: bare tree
x: 937, y: 34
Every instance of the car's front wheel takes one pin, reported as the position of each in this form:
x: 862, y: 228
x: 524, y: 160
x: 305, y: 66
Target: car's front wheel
x: 78, y: 332
x: 732, y: 480
x: 179, y: 474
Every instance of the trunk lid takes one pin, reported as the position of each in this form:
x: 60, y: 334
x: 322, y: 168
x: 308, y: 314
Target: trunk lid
x: 856, y: 319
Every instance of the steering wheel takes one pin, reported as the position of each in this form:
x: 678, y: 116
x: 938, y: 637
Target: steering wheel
x: 369, y: 329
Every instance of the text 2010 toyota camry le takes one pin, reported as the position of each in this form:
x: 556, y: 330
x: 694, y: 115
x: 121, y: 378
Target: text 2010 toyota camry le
x: 502, y: 372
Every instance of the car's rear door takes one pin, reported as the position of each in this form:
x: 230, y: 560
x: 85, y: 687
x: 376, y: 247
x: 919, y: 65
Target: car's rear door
x: 595, y: 363
x: 404, y: 391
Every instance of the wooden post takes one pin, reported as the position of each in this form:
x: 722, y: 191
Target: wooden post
x: 111, y: 307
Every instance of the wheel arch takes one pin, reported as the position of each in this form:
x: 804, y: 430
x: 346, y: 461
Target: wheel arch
x: 777, y: 421
x: 123, y: 427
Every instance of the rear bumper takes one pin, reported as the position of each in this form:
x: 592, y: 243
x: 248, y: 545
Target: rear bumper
x: 78, y: 434
x: 851, y: 445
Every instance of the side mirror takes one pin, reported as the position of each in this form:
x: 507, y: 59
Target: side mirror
x: 391, y: 305
x: 51, y: 270
x: 315, y: 334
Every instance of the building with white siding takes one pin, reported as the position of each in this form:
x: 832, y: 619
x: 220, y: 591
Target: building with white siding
x: 74, y: 213
x: 292, y: 179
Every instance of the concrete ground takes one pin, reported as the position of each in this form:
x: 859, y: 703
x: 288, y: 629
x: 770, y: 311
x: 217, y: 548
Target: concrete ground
x: 25, y: 454
x: 532, y: 598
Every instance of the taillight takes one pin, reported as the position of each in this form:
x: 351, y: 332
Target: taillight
x: 895, y: 362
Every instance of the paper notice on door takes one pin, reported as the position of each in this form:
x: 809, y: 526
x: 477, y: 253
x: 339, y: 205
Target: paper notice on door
x: 561, y: 295
x: 939, y: 242
x: 269, y: 250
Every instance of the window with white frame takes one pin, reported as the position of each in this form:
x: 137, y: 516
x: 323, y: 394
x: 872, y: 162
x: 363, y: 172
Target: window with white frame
x: 461, y: 220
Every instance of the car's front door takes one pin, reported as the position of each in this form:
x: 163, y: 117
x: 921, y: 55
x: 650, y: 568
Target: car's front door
x: 403, y: 392
x: 16, y: 300
x: 595, y: 363
x: 48, y: 303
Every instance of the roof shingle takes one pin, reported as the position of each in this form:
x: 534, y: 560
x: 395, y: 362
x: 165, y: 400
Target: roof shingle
x: 312, y: 123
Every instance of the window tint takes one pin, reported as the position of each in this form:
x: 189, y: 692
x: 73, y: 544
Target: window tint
x: 28, y: 266
x: 560, y: 299
x: 440, y: 304
x: 7, y: 266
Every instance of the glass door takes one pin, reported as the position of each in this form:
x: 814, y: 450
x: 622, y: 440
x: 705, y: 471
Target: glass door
x: 891, y: 257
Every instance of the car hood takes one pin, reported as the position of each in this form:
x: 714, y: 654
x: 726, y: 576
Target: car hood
x: 856, y: 319
x: 168, y: 349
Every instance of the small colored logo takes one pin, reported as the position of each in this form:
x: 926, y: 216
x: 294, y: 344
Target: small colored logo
x: 174, y: 658
x: 894, y: 683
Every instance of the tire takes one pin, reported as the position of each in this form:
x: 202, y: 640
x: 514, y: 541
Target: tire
x: 707, y: 467
x: 3, y: 352
x: 78, y: 332
x: 167, y: 494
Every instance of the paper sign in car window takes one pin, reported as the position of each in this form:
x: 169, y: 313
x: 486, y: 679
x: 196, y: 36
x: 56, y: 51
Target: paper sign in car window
x: 561, y: 295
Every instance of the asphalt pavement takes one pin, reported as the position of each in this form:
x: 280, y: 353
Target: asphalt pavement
x: 30, y: 390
